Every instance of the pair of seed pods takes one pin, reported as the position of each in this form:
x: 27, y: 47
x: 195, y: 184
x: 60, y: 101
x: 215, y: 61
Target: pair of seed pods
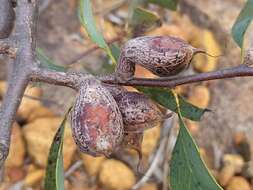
x: 105, y: 117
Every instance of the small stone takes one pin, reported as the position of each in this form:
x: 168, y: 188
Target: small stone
x: 193, y: 127
x: 39, y: 135
x: 15, y: 174
x: 149, y: 186
x: 232, y: 164
x: 238, y: 183
x: 205, y: 63
x: 92, y: 164
x: 247, y: 170
x: 3, y: 87
x: 242, y: 145
x: 17, y: 148
x: 200, y: 96
x: 235, y: 160
x: 226, y: 173
x: 28, y: 105
x: 206, y: 157
x: 115, y: 175
x: 40, y: 112
x: 34, y: 177
x: 150, y: 139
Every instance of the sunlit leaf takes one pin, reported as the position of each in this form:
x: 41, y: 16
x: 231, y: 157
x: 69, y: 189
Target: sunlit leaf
x: 88, y: 22
x: 46, y: 62
x: 166, y: 98
x: 242, y: 22
x: 143, y: 20
x: 169, y: 4
x: 54, y: 172
x: 187, y: 169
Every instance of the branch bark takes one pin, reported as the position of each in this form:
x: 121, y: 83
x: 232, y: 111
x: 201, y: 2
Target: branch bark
x: 72, y: 79
x: 26, y: 12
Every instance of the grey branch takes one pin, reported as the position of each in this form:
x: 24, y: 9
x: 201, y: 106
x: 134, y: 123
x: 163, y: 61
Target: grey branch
x: 26, y: 14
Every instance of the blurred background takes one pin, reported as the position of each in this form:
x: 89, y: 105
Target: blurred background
x: 223, y: 135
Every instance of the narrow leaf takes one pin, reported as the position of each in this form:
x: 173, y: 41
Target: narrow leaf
x: 242, y: 22
x: 143, y: 20
x: 88, y: 22
x: 115, y: 51
x: 54, y: 172
x: 166, y: 98
x: 188, y: 171
x: 169, y: 4
x: 46, y: 62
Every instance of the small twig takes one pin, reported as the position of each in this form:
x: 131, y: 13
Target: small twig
x: 44, y: 100
x: 158, y: 155
x: 111, y: 8
x: 152, y: 167
x: 73, y: 168
x: 93, y: 48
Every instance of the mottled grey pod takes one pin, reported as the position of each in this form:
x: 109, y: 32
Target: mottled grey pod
x: 96, y: 121
x: 7, y: 18
x: 138, y: 111
x: 114, y: 90
x: 162, y: 55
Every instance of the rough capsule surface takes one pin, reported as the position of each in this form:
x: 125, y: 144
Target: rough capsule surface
x: 162, y: 55
x: 138, y: 111
x: 96, y: 121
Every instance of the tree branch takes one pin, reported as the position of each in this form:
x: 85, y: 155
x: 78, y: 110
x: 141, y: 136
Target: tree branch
x: 73, y: 80
x: 26, y: 12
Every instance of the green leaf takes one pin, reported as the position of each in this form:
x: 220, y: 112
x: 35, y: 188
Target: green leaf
x: 169, y: 4
x: 115, y: 51
x: 54, y: 172
x: 166, y: 98
x: 48, y: 63
x: 188, y: 171
x: 242, y: 22
x: 143, y: 20
x: 88, y: 22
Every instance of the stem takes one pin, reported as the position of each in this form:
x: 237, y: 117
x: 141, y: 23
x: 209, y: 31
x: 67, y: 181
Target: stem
x: 73, y: 80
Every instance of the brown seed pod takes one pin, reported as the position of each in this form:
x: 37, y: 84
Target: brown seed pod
x: 7, y: 18
x: 162, y: 55
x: 96, y: 121
x: 138, y: 111
x: 114, y: 90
